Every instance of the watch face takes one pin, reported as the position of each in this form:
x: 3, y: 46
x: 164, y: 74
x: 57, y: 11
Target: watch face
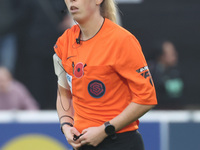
x: 110, y: 129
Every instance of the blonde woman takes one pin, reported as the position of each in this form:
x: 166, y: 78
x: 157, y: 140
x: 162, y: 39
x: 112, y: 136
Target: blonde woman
x: 104, y: 84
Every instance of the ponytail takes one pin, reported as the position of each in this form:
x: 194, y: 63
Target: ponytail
x: 108, y: 10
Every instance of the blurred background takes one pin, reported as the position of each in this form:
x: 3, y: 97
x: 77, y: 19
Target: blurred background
x: 168, y: 32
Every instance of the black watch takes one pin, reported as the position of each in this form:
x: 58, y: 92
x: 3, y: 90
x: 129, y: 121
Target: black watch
x: 109, y: 128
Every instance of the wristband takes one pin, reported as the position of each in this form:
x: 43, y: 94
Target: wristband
x: 66, y: 116
x: 65, y: 123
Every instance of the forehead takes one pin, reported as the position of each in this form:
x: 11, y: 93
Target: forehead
x: 80, y: 1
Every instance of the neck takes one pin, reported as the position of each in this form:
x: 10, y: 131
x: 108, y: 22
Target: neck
x: 90, y: 27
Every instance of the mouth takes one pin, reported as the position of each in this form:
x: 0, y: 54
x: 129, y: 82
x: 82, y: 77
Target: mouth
x: 73, y: 9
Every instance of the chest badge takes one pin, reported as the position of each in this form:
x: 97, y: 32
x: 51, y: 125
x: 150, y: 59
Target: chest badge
x: 78, y: 70
x: 96, y: 88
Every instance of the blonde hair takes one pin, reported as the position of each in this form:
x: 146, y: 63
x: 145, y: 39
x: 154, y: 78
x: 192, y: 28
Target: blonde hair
x: 108, y: 9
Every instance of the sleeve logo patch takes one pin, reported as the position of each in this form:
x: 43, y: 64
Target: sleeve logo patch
x: 145, y: 73
x: 142, y: 69
x: 96, y: 88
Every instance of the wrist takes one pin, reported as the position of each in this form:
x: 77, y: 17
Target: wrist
x: 102, y: 129
x: 110, y: 130
x: 65, y: 125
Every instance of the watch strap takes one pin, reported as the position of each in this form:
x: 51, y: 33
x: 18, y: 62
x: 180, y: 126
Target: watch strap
x: 106, y: 123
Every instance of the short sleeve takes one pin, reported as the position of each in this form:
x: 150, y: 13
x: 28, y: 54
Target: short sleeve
x: 132, y: 66
x: 60, y: 44
x: 57, y: 48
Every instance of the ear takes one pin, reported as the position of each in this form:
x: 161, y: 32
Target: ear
x: 98, y: 2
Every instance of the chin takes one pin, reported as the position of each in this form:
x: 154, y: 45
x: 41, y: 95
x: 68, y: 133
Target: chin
x: 78, y: 18
x: 75, y: 18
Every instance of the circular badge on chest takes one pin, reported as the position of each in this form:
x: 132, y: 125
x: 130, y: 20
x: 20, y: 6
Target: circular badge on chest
x: 96, y: 88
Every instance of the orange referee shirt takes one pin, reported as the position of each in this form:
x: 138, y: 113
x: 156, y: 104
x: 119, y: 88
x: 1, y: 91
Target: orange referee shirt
x: 105, y: 73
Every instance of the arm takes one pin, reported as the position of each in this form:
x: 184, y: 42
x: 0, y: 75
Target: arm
x: 132, y: 112
x: 65, y: 109
x: 64, y: 104
x: 135, y: 70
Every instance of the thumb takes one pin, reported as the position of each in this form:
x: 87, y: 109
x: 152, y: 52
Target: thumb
x: 84, y: 131
x: 75, y: 131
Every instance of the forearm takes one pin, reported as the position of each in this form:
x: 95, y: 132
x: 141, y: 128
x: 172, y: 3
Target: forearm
x: 64, y: 105
x: 131, y: 113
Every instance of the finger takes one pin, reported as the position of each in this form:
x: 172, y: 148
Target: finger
x: 83, y: 142
x: 76, y: 146
x: 75, y: 131
x: 83, y: 137
x: 69, y: 137
x: 84, y: 131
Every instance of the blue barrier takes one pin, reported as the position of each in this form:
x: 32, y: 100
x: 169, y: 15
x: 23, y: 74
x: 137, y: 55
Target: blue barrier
x: 184, y: 136
x: 151, y: 135
x: 161, y: 130
x: 49, y: 131
x: 14, y: 131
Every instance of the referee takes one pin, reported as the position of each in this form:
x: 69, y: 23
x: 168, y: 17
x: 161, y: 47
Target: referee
x: 104, y: 83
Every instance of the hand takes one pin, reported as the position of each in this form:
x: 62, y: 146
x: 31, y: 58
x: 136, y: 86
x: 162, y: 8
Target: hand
x: 93, y: 136
x: 69, y: 134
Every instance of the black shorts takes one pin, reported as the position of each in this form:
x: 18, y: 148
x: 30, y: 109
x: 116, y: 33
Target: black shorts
x: 131, y: 140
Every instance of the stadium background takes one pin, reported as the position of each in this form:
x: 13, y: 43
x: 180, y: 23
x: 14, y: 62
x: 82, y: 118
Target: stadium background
x: 148, y: 20
x: 176, y: 20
